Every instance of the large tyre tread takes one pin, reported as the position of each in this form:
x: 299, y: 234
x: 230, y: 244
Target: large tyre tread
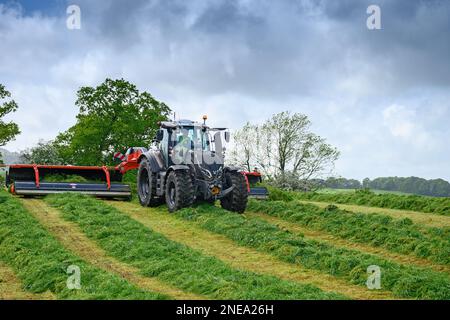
x: 184, y: 196
x: 236, y: 201
x: 153, y: 200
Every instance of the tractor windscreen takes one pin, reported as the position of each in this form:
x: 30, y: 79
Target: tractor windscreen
x: 207, y: 144
x: 192, y: 138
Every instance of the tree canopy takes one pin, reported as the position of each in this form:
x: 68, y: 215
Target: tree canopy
x: 433, y: 187
x: 45, y: 152
x: 112, y: 117
x: 8, y: 130
x: 284, y: 149
x: 413, y: 185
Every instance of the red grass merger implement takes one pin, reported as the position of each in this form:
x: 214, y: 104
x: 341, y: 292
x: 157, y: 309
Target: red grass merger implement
x: 30, y: 180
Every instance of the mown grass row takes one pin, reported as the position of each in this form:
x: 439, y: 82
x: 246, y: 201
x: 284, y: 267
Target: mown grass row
x: 41, y: 262
x: 366, y: 198
x: 403, y: 281
x: 399, y: 235
x: 155, y: 255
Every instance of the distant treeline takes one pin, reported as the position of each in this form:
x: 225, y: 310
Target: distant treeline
x: 414, y: 185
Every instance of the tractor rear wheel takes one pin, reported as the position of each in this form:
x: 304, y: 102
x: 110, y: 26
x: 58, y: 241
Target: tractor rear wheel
x: 146, y: 185
x: 179, y: 190
x: 236, y: 200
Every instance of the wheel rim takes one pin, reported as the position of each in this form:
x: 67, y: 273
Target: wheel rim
x: 172, y: 194
x: 144, y: 183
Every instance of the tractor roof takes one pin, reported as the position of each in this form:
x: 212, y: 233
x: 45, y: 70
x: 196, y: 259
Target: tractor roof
x: 181, y: 123
x: 185, y: 123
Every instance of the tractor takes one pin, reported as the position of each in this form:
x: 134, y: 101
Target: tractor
x: 185, y: 164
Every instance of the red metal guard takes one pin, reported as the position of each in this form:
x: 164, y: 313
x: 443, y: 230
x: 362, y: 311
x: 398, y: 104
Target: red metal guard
x: 108, y: 178
x: 36, y: 175
x: 246, y: 181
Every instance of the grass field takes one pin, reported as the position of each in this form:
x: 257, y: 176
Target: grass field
x: 290, y: 247
x: 333, y: 191
x: 424, y: 204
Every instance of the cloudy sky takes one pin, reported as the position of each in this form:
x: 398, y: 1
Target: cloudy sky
x: 381, y: 96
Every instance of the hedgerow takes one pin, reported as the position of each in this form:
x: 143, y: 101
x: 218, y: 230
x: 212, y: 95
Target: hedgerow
x: 157, y: 256
x: 401, y: 235
x: 403, y: 281
x: 41, y: 262
x: 392, y: 201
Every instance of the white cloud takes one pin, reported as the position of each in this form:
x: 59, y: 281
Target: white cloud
x: 399, y: 120
x: 405, y: 124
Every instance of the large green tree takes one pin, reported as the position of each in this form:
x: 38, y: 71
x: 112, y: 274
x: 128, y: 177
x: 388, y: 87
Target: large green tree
x: 45, y: 152
x: 243, y: 152
x: 434, y: 187
x: 284, y: 149
x: 112, y: 117
x: 8, y: 130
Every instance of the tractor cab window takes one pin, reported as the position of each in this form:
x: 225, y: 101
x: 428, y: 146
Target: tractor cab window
x: 184, y: 137
x: 192, y: 138
x: 206, y: 141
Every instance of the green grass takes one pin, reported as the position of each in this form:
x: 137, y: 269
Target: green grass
x: 424, y: 204
x: 403, y: 281
x: 155, y: 255
x: 65, y: 178
x: 378, y: 230
x: 333, y: 191
x: 338, y: 191
x: 130, y: 178
x: 2, y: 177
x: 41, y: 262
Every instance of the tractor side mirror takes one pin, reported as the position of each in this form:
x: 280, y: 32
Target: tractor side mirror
x: 159, y: 135
x: 227, y: 136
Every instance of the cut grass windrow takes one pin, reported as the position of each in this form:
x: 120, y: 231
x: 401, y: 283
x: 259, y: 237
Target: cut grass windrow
x: 401, y: 236
x: 237, y: 256
x: 362, y: 197
x: 41, y: 262
x: 339, y: 242
x: 73, y: 239
x: 12, y: 289
x: 155, y: 255
x: 419, y: 218
x: 403, y: 281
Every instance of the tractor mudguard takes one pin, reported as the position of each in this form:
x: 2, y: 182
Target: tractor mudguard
x: 230, y: 169
x: 176, y: 167
x: 154, y: 159
x: 225, y: 192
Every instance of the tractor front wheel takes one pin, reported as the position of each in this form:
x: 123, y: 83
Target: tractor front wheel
x: 236, y: 200
x: 146, y: 185
x: 179, y: 190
